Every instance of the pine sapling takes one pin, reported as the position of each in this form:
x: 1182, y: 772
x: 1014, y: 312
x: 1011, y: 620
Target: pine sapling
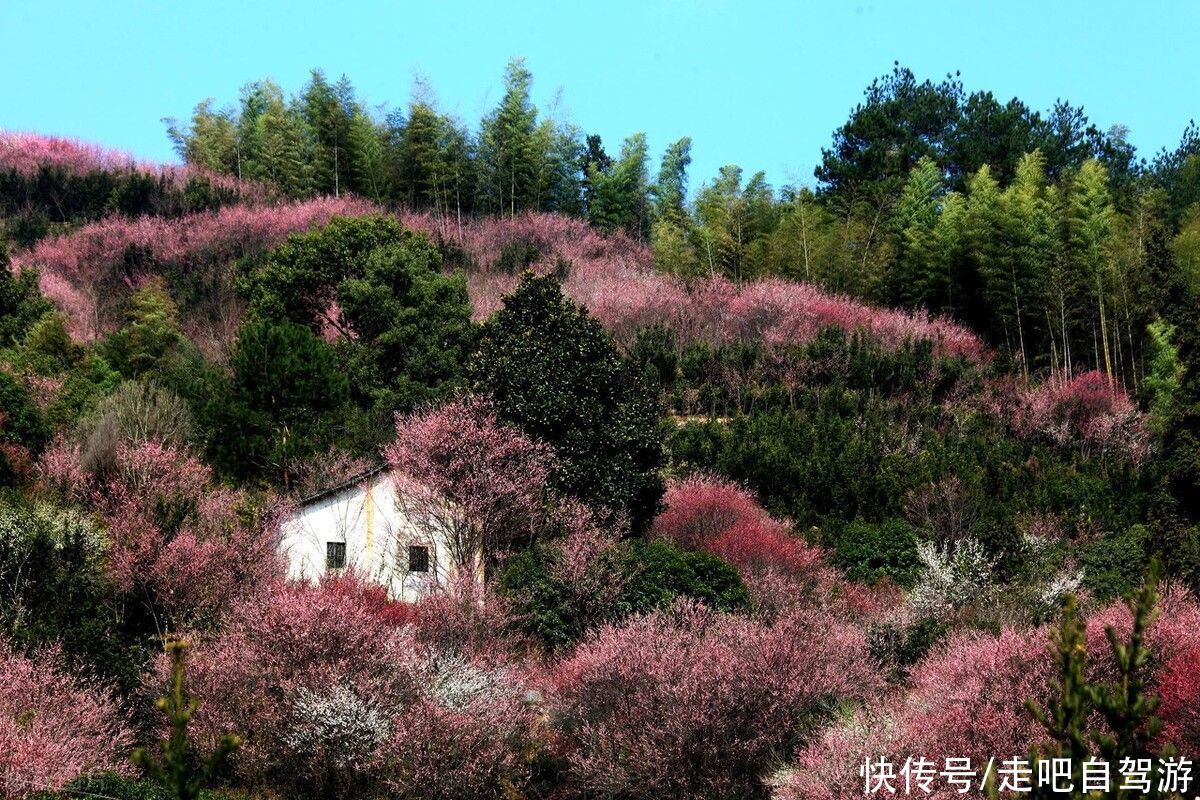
x: 183, y: 774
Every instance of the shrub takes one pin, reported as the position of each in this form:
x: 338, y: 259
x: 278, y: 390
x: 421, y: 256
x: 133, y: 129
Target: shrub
x: 699, y: 508
x: 868, y: 552
x: 480, y: 751
x: 54, y: 588
x: 333, y: 698
x: 710, y: 513
x: 89, y: 272
x: 296, y: 668
x: 54, y: 726
x: 137, y: 412
x: 966, y: 700
x: 179, y: 546
x: 559, y: 606
x: 1112, y: 565
x: 691, y: 703
x: 655, y: 573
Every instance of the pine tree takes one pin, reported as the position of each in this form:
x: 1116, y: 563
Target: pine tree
x: 1125, y: 705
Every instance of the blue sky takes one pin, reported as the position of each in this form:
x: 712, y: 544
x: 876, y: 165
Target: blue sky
x: 760, y: 84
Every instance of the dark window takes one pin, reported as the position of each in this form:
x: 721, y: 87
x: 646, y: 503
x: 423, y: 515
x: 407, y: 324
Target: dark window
x: 418, y: 558
x: 335, y: 555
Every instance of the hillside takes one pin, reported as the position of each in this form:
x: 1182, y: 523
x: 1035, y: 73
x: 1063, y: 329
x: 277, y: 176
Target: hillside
x: 747, y: 486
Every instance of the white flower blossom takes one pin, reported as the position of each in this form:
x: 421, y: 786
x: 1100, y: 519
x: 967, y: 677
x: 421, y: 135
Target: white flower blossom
x: 347, y: 728
x: 953, y: 576
x: 454, y: 683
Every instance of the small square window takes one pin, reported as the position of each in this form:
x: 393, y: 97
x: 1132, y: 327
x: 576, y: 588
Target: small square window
x: 418, y: 558
x: 335, y: 555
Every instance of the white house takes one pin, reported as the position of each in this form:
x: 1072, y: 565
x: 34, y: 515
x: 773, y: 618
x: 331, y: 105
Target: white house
x: 360, y: 524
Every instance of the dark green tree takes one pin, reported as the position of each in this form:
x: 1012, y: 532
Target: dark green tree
x: 412, y: 326
x: 298, y: 280
x: 900, y: 122
x: 554, y: 372
x: 283, y: 402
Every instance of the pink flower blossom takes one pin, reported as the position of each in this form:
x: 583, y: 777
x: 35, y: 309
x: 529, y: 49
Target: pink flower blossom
x: 55, y: 726
x: 90, y: 271
x: 690, y: 703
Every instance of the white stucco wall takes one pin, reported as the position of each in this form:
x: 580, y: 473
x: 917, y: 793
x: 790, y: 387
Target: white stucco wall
x: 377, y: 536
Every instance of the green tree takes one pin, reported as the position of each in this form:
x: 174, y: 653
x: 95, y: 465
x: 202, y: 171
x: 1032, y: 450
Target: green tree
x: 367, y: 139
x: 283, y: 402
x: 733, y: 223
x: 620, y: 195
x: 56, y: 588
x: 298, y: 280
x: 1090, y: 218
x: 991, y: 133
x: 554, y: 372
x: 1031, y: 248
x: 900, y: 122
x: 210, y: 142
x: 21, y: 302
x: 670, y: 189
x: 915, y: 221
x: 1163, y: 376
x: 508, y: 146
x: 411, y: 323
x: 278, y: 145
x: 1125, y: 705
x: 151, y: 333
x: 328, y: 111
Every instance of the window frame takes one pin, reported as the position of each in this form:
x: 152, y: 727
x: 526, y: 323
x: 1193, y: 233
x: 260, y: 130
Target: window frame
x: 425, y: 561
x: 333, y: 549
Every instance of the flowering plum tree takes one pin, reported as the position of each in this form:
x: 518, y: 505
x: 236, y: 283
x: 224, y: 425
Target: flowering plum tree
x: 478, y: 484
x: 332, y: 693
x: 55, y: 726
x: 90, y: 271
x: 691, y: 703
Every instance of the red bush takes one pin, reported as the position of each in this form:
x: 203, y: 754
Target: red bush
x: 699, y: 508
x: 1086, y: 411
x: 782, y: 571
x: 54, y: 726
